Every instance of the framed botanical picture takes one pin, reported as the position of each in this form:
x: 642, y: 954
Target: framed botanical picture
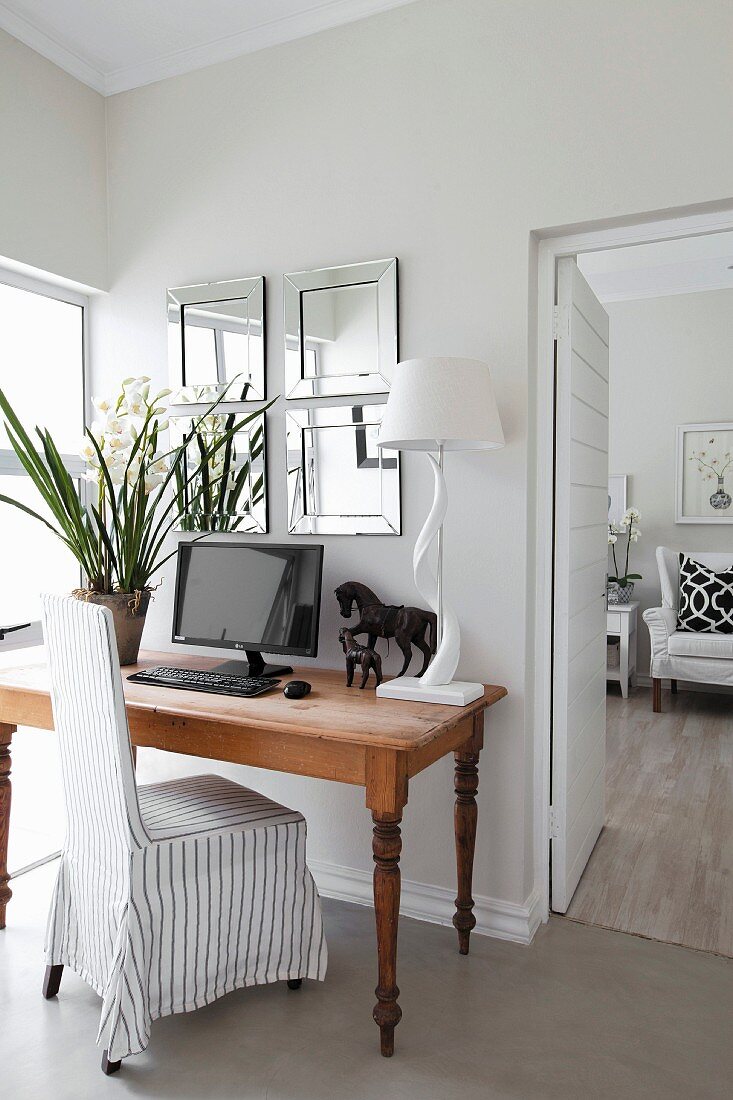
x: 705, y: 473
x: 617, y: 494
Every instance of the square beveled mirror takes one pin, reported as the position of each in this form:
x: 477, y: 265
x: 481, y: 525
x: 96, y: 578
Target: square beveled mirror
x: 341, y: 337
x: 223, y: 483
x: 339, y: 481
x: 216, y: 341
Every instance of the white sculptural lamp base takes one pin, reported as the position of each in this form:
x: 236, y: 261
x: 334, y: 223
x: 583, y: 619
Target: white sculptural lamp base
x: 437, y: 684
x: 456, y: 694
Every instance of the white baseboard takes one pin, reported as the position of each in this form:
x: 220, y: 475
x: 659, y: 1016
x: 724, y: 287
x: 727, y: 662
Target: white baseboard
x: 505, y: 920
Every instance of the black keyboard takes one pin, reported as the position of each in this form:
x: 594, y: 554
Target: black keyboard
x: 215, y: 682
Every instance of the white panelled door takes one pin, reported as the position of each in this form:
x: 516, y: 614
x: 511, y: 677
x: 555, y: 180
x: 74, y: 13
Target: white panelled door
x: 581, y: 552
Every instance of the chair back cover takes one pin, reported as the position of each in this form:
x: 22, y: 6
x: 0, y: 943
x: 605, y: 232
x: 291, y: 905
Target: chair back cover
x: 102, y: 814
x: 668, y: 562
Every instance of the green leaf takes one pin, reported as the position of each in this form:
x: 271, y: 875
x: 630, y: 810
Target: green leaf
x: 29, y: 512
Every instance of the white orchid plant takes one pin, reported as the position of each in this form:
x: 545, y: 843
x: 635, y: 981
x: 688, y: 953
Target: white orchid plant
x: 628, y: 528
x: 712, y: 466
x: 141, y: 492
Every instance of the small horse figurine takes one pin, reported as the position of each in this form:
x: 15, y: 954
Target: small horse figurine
x: 359, y: 655
x: 407, y: 625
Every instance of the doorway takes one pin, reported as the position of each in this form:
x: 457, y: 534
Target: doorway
x: 567, y: 769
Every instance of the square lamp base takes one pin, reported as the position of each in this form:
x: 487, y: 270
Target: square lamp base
x: 456, y: 694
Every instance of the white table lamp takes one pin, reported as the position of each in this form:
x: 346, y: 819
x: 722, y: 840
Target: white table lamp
x: 439, y: 404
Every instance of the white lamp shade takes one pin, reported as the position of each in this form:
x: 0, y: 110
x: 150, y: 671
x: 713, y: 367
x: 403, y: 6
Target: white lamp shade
x: 446, y: 402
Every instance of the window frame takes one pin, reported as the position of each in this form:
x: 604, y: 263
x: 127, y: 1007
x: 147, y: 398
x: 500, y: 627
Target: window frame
x: 9, y: 463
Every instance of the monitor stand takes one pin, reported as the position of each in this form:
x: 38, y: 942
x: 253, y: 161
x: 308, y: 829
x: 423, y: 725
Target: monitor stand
x: 253, y: 666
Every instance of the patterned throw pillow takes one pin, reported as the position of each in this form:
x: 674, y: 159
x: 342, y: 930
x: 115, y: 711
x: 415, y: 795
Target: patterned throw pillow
x: 706, y: 598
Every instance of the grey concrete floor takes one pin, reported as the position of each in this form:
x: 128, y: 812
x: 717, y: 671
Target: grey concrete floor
x: 582, y: 1013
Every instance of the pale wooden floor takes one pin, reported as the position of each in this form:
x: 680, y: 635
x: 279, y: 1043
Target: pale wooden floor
x: 663, y: 865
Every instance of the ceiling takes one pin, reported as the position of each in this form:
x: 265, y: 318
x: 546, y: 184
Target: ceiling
x: 114, y: 45
x: 684, y: 266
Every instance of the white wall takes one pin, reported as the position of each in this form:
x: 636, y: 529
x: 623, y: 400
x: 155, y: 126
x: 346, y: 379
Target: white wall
x: 443, y: 133
x: 53, y: 203
x: 671, y: 363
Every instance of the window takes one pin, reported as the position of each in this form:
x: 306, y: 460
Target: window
x: 42, y: 376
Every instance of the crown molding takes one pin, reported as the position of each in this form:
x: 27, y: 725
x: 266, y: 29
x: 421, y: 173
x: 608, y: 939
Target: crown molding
x: 320, y: 17
x: 52, y: 50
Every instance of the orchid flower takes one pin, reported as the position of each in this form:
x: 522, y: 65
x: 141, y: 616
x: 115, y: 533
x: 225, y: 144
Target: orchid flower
x: 142, y: 488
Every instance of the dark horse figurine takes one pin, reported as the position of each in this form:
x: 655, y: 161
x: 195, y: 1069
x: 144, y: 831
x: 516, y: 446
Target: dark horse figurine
x: 359, y: 655
x: 407, y: 625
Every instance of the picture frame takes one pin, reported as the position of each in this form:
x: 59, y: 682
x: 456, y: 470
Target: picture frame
x: 704, y: 476
x: 617, y: 497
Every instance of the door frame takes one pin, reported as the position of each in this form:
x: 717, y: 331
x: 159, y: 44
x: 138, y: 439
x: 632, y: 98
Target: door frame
x: 553, y: 245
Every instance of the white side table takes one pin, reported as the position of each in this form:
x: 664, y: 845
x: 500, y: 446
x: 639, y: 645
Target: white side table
x: 621, y: 623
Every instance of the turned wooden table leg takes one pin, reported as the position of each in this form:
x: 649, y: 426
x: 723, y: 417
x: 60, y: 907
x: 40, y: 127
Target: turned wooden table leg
x: 386, y: 846
x: 6, y: 736
x: 386, y: 795
x: 465, y: 818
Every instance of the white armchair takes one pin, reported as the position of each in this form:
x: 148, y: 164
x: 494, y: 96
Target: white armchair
x: 704, y: 658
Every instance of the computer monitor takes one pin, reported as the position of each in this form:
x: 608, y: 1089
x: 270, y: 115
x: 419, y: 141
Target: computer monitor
x: 250, y: 597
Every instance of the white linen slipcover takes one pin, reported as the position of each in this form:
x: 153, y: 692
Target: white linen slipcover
x: 662, y: 622
x: 172, y: 895
x: 686, y: 643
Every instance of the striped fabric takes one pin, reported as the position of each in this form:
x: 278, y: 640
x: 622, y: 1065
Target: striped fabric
x: 170, y: 895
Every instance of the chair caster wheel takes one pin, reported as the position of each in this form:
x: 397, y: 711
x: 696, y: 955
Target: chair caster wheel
x: 108, y: 1067
x: 295, y: 983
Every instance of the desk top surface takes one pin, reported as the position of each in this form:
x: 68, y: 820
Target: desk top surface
x: 331, y: 711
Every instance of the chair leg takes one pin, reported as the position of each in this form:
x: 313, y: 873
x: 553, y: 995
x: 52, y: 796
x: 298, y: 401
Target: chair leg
x: 108, y: 1067
x: 295, y: 983
x: 52, y: 980
x: 656, y: 695
x: 674, y: 686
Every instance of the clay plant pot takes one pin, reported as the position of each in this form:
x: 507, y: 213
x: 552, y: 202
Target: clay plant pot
x: 128, y: 611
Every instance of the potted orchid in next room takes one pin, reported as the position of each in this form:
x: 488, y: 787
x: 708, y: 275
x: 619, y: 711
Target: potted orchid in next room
x: 620, y: 587
x: 140, y: 491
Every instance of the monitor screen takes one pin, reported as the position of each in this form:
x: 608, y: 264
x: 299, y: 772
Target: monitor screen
x: 233, y: 595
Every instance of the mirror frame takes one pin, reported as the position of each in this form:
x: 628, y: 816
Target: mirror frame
x: 184, y: 391
x: 178, y: 426
x: 383, y: 273
x: 388, y: 462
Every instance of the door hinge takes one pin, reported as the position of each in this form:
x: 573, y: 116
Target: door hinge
x: 553, y: 824
x: 560, y: 322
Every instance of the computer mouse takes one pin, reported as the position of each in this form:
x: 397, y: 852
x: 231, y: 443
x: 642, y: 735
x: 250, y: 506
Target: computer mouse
x: 296, y: 689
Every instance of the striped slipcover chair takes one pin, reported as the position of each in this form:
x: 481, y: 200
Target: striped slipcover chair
x: 169, y: 895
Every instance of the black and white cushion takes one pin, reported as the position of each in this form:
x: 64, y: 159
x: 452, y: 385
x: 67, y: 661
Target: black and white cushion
x: 706, y: 598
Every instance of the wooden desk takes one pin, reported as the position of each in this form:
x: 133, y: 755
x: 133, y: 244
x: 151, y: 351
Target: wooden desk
x: 336, y: 732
